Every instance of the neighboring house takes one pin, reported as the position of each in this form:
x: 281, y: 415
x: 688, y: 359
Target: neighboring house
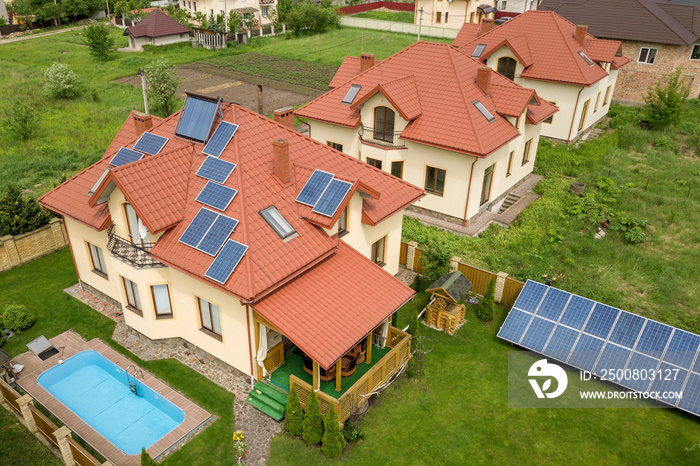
x: 516, y: 6
x: 436, y: 118
x: 156, y: 29
x: 237, y: 247
x: 564, y: 64
x: 3, y: 12
x: 657, y: 35
x: 453, y: 13
x: 259, y: 9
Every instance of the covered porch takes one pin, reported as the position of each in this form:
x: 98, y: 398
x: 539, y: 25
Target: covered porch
x: 338, y: 386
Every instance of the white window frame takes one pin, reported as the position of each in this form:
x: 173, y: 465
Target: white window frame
x: 646, y: 57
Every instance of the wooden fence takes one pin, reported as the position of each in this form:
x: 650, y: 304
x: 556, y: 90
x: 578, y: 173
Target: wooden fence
x: 42, y: 427
x: 507, y: 289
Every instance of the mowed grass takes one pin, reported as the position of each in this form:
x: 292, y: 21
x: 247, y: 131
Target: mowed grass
x: 39, y: 285
x: 398, y: 16
x: 458, y: 413
x: 18, y: 447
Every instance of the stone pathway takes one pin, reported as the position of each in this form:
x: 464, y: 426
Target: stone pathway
x: 482, y: 222
x: 258, y: 428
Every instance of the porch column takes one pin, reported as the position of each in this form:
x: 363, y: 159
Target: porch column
x: 316, y: 377
x: 338, y: 370
x: 369, y: 348
x: 258, y: 370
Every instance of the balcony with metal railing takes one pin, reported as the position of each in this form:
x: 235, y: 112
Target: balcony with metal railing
x: 382, y: 138
x: 136, y: 255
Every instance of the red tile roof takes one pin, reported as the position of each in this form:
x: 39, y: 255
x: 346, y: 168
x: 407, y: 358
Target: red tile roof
x: 544, y: 44
x: 445, y: 89
x: 467, y: 33
x: 156, y: 24
x: 334, y: 305
x: 348, y: 70
x: 163, y: 189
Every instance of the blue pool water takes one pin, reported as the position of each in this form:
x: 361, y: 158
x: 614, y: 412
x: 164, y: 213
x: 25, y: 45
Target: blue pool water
x: 97, y: 391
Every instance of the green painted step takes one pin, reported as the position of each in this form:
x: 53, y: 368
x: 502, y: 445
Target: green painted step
x: 258, y: 395
x: 266, y: 408
x: 272, y: 392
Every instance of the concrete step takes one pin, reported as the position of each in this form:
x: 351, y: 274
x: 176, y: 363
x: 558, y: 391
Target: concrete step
x: 511, y: 199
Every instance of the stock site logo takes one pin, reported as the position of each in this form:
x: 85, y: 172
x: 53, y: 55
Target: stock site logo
x: 543, y: 369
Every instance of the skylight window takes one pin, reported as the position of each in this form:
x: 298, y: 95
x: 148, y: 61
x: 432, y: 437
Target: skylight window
x: 277, y: 222
x: 586, y: 59
x: 479, y: 106
x: 352, y: 93
x: 478, y: 50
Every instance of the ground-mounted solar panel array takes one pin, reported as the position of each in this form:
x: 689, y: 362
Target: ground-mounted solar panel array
x: 601, y: 339
x: 150, y: 143
x: 220, y: 139
x: 324, y: 193
x: 125, y: 156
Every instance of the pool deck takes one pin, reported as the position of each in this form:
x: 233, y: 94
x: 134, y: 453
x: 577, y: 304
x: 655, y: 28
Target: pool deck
x: 70, y: 343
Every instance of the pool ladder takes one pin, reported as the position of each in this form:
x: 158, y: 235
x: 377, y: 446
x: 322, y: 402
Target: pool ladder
x: 132, y: 384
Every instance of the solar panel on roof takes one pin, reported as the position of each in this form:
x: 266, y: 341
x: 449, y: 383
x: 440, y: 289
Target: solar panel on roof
x: 216, y: 169
x: 314, y: 187
x: 216, y: 195
x: 611, y: 341
x: 220, y: 139
x: 218, y: 233
x: 150, y: 143
x: 226, y: 261
x: 125, y: 156
x: 198, y: 227
x: 478, y: 50
x: 332, y: 197
x: 351, y: 94
x: 197, y: 118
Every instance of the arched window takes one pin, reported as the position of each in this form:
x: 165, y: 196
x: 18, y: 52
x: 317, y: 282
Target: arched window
x: 384, y: 124
x: 506, y: 66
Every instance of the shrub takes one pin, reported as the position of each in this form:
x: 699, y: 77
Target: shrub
x: 21, y: 119
x: 436, y: 261
x: 97, y: 38
x: 485, y: 310
x: 293, y: 414
x: 312, y: 425
x: 19, y: 214
x: 60, y: 82
x: 333, y: 440
x: 162, y: 85
x: 352, y: 433
x: 414, y: 328
x: 146, y: 459
x: 664, y: 102
x: 17, y: 317
x: 416, y: 284
x: 311, y: 18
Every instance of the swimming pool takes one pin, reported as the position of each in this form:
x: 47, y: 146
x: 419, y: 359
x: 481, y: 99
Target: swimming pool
x: 98, y: 392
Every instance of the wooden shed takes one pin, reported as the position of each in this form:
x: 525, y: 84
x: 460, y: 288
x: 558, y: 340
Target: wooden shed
x: 444, y: 311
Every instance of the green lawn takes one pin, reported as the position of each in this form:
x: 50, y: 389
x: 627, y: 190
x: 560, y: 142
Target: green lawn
x: 398, y: 16
x: 18, y: 447
x: 39, y: 285
x: 632, y: 173
x: 458, y: 414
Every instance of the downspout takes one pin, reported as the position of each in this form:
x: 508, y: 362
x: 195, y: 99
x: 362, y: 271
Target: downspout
x: 250, y: 350
x: 469, y: 190
x: 573, y: 117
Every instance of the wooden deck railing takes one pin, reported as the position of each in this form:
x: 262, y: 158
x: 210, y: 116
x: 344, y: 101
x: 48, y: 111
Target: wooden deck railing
x: 400, y: 343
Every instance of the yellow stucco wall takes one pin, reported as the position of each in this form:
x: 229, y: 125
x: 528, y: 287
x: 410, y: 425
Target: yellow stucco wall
x: 458, y: 12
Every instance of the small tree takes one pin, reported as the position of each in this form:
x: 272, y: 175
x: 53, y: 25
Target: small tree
x: 333, y: 440
x: 485, y: 310
x: 19, y: 214
x: 436, y: 261
x: 235, y: 21
x: 293, y: 414
x: 60, y: 82
x: 162, y: 85
x: 312, y: 426
x: 414, y: 328
x: 97, y: 38
x: 664, y: 102
x: 21, y: 119
x: 146, y: 459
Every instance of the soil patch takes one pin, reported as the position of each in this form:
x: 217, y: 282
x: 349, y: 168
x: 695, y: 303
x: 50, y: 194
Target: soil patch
x: 237, y: 87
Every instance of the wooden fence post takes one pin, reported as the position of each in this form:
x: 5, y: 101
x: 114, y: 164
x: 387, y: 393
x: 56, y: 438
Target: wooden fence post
x: 500, y: 285
x: 62, y: 435
x: 24, y: 403
x: 411, y: 254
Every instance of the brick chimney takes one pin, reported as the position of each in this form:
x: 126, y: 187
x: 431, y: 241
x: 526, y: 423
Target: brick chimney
x: 580, y: 34
x: 483, y: 79
x: 285, y: 116
x: 142, y: 123
x: 366, y: 61
x: 280, y: 150
x: 486, y: 25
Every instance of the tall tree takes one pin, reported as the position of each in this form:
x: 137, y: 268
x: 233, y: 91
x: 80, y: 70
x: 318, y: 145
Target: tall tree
x: 97, y: 38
